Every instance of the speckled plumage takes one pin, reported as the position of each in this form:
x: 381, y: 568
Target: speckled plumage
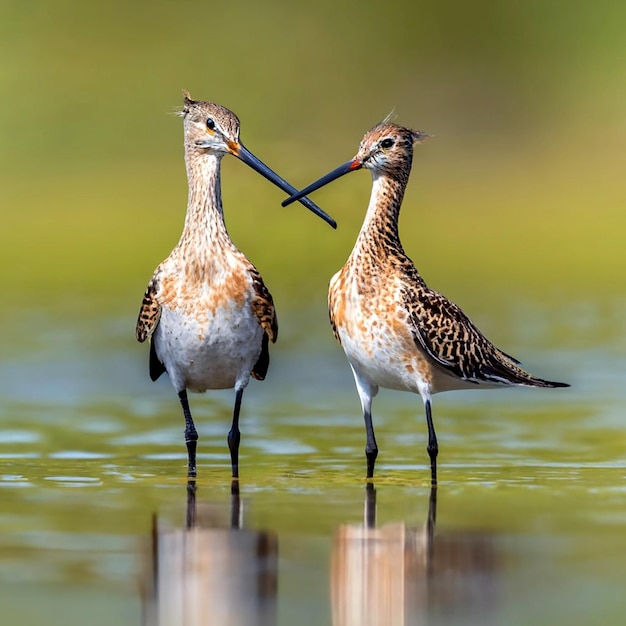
x: 207, y: 312
x: 396, y: 332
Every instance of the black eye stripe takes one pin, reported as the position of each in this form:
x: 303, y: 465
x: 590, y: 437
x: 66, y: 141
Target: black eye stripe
x: 210, y: 124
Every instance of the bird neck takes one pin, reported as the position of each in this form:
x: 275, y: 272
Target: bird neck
x: 204, y: 223
x: 380, y: 227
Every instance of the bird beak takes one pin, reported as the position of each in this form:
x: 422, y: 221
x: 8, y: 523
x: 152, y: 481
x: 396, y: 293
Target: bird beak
x: 242, y: 153
x: 346, y: 168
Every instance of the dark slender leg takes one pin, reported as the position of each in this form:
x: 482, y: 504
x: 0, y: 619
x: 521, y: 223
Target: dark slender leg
x: 235, y: 505
x: 371, y: 449
x: 430, y: 531
x: 432, y: 447
x: 370, y: 505
x: 234, y: 436
x: 432, y: 511
x: 191, y: 504
x: 191, y: 436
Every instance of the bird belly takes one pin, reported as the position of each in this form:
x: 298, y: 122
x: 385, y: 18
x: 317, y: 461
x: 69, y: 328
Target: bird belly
x: 385, y: 354
x: 212, y: 351
x: 374, y: 330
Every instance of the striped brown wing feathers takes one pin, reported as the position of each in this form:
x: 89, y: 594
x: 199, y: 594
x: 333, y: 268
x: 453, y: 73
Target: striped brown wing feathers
x: 448, y: 336
x: 148, y: 320
x: 149, y: 313
x: 263, y: 308
x: 502, y: 369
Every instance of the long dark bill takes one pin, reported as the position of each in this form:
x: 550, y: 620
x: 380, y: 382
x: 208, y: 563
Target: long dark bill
x: 257, y: 165
x: 346, y: 168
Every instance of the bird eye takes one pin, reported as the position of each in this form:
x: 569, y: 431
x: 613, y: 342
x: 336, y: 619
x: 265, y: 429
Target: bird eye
x: 210, y: 124
x: 387, y: 143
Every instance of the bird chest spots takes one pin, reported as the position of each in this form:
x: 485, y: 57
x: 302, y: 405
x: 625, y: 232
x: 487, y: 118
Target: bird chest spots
x: 170, y: 287
x: 230, y: 289
x: 362, y: 327
x: 365, y: 290
x: 420, y: 367
x: 410, y: 368
x: 205, y: 298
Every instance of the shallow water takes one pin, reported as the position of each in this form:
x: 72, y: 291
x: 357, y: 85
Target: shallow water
x: 530, y: 510
x: 515, y: 211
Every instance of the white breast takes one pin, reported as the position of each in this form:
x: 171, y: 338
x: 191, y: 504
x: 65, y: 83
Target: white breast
x: 376, y: 336
x: 213, y: 351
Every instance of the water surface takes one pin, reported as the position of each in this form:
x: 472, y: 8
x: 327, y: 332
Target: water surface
x: 530, y: 516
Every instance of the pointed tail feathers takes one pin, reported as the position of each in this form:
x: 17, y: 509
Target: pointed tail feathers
x: 508, y: 372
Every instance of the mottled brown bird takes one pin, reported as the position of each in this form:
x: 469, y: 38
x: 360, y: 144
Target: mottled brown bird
x: 207, y: 311
x: 396, y: 332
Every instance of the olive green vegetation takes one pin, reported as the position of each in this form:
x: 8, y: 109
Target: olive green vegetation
x: 520, y: 189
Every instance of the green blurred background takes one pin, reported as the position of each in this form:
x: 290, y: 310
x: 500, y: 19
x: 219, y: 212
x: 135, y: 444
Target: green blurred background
x: 521, y: 190
x: 515, y: 210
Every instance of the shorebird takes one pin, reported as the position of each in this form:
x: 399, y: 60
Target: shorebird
x: 207, y: 311
x: 398, y: 333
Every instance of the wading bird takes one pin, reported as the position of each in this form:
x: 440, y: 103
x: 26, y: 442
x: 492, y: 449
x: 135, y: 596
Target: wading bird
x: 207, y: 311
x: 398, y: 333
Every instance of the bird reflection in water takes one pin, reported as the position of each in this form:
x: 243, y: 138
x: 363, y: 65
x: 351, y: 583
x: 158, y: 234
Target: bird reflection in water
x: 212, y: 571
x: 402, y: 576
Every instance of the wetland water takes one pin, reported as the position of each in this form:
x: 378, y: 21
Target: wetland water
x: 528, y: 524
x: 515, y: 211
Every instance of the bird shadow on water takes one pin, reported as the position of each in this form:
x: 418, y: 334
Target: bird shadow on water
x: 397, y: 574
x: 213, y: 570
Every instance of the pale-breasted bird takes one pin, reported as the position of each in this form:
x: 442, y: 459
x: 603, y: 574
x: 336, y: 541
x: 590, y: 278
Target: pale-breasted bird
x: 398, y: 333
x: 207, y: 311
